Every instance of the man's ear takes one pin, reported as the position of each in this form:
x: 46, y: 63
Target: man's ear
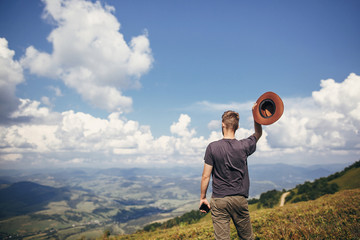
x: 223, y: 125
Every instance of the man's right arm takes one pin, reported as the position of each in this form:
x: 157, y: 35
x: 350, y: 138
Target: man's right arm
x: 258, y: 130
x: 257, y: 127
x: 205, y: 179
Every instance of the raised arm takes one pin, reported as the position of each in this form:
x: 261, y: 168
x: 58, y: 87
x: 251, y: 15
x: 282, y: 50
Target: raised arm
x: 257, y: 127
x: 258, y: 130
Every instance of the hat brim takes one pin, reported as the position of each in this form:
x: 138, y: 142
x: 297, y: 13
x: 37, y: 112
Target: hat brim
x: 269, y: 108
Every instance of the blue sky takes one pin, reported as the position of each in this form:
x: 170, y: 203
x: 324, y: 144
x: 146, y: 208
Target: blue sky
x: 192, y: 61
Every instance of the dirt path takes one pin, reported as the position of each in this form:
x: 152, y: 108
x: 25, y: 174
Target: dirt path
x: 282, y: 199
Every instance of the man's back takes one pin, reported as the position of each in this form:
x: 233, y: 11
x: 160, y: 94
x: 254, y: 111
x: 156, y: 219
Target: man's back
x: 229, y: 160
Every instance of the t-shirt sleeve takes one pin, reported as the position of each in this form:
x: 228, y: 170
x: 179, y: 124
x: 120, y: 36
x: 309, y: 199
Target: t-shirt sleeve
x: 250, y: 145
x: 208, y: 156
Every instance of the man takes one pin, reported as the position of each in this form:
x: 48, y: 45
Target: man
x: 226, y: 162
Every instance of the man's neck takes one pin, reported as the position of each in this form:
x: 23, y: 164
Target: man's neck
x: 228, y: 134
x: 227, y: 137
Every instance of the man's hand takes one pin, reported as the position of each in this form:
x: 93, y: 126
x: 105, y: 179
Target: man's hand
x: 204, y: 201
x: 255, y: 104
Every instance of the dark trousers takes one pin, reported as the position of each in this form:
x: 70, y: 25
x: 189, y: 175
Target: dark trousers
x: 231, y: 207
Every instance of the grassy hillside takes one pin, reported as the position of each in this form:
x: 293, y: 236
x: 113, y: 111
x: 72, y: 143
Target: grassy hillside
x: 330, y: 216
x: 335, y: 216
x: 350, y: 180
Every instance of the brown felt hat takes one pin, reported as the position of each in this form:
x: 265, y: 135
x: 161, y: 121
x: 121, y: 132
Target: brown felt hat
x: 268, y: 109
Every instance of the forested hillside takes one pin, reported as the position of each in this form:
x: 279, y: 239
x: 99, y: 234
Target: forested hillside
x: 349, y: 178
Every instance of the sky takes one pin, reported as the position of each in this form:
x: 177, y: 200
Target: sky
x: 135, y: 83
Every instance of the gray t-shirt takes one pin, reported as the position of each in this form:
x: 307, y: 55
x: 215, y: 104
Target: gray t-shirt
x: 230, y: 171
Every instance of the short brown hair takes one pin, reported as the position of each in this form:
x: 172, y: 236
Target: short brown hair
x: 231, y: 120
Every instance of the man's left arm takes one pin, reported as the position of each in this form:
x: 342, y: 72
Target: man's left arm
x: 205, y: 179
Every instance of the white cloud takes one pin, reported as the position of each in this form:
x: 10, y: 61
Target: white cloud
x: 46, y: 100
x: 11, y: 74
x: 181, y: 127
x: 90, y: 54
x: 80, y: 138
x: 340, y: 100
x: 323, y: 123
x: 11, y: 157
x: 214, y: 125
x: 56, y: 90
x: 310, y: 131
x: 32, y: 111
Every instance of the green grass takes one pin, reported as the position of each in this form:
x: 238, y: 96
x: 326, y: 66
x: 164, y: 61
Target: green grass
x: 334, y: 216
x: 350, y: 180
